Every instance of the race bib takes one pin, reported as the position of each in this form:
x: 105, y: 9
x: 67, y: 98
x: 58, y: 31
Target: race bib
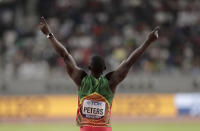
x: 93, y: 109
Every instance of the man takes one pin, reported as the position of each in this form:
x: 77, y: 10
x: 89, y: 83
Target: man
x: 95, y: 91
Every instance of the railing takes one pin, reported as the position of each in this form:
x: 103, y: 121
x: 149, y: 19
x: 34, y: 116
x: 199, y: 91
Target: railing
x: 134, y: 83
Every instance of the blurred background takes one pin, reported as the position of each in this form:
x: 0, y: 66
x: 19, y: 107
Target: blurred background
x: 164, y: 83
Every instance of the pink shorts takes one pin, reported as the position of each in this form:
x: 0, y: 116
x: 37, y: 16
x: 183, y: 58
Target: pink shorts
x: 89, y: 128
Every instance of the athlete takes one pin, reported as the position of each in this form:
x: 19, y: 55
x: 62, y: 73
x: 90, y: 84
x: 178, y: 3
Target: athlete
x: 95, y: 90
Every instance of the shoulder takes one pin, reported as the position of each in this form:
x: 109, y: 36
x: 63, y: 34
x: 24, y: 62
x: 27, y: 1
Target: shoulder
x: 111, y: 82
x: 108, y: 75
x: 82, y: 74
x: 78, y: 76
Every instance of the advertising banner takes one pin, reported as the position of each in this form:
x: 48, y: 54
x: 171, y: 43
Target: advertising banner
x: 161, y: 105
x: 188, y: 104
x: 38, y: 106
x: 62, y: 106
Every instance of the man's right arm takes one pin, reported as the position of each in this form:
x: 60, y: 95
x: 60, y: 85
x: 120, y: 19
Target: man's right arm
x: 73, y: 70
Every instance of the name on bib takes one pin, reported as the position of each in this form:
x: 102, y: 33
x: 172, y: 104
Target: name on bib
x: 93, y: 109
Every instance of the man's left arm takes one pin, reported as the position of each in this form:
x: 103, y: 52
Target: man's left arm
x: 120, y: 73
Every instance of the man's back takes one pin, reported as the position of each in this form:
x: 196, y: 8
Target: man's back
x: 95, y: 100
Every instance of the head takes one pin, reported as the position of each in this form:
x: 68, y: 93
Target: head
x: 97, y: 65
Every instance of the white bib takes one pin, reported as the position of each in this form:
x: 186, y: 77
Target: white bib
x: 93, y: 109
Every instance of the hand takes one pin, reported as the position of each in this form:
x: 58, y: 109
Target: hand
x: 154, y: 34
x: 44, y: 26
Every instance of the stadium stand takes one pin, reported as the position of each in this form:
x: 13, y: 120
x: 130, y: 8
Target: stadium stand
x: 111, y: 28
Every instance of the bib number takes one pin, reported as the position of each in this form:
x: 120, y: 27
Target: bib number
x: 93, y: 109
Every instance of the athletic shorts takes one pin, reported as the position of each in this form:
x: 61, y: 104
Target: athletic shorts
x: 89, y: 128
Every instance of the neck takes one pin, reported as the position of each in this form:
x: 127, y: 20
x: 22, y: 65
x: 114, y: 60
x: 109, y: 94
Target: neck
x: 96, y: 75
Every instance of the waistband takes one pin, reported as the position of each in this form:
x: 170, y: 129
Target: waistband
x: 90, y: 128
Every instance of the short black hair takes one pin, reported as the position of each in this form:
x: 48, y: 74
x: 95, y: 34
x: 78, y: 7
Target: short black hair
x: 97, y: 64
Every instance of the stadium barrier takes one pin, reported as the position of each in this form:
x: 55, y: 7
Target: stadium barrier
x: 161, y: 105
x: 63, y: 106
x: 38, y: 106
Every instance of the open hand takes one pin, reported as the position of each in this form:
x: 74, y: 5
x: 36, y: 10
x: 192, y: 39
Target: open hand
x: 154, y: 34
x: 44, y: 26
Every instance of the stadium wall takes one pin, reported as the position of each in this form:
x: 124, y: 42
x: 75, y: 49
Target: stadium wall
x: 132, y: 105
x: 134, y: 83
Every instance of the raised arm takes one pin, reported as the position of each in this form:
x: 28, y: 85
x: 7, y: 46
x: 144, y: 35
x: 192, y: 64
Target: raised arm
x: 120, y: 73
x: 73, y: 70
